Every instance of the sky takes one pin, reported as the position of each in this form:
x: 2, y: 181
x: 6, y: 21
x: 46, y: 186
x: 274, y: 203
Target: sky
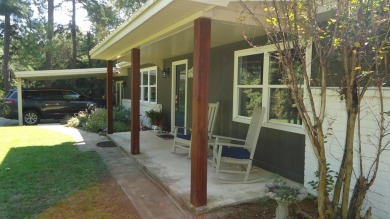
x: 63, y: 15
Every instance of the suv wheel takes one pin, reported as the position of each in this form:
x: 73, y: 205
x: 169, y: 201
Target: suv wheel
x: 31, y: 117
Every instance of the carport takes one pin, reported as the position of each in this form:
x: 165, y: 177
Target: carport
x: 102, y: 73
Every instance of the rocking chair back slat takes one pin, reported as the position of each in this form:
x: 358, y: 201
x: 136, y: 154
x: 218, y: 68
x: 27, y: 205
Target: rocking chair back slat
x: 254, y: 129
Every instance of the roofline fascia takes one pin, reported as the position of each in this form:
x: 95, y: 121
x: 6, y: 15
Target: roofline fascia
x: 67, y: 72
x: 137, y: 19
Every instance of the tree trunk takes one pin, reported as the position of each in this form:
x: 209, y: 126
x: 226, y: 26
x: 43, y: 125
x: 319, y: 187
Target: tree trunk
x: 322, y: 193
x: 74, y: 42
x: 350, y: 60
x: 358, y: 195
x: 348, y: 161
x: 89, y: 48
x: 6, y: 49
x: 49, y: 32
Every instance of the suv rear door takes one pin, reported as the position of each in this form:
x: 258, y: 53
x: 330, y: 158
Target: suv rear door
x: 74, y: 102
x: 48, y: 101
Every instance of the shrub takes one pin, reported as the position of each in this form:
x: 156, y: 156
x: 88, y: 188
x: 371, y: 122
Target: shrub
x: 73, y: 122
x: 121, y: 119
x: 121, y: 126
x: 156, y: 117
x: 96, y: 120
x: 121, y: 114
x: 78, y: 120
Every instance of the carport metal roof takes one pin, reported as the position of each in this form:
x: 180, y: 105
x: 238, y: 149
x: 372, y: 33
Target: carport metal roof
x: 58, y: 74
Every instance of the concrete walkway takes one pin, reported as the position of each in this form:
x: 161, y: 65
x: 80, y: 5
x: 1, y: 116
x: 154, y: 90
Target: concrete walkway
x: 150, y: 200
x: 147, y: 197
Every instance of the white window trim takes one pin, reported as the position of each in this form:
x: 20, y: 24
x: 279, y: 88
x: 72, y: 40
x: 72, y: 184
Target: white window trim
x: 119, y: 87
x: 265, y: 87
x: 149, y: 69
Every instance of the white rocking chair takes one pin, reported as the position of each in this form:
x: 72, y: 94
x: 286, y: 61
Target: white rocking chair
x: 183, y: 141
x: 226, y: 150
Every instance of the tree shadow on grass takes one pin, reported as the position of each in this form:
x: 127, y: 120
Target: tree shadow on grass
x: 36, y: 178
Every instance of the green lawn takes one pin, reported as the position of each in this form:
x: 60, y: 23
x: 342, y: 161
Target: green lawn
x: 39, y: 168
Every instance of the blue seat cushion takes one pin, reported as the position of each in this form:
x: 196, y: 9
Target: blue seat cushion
x: 234, y: 152
x: 187, y: 137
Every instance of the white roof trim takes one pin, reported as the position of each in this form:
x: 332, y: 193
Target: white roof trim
x: 223, y: 3
x: 143, y: 14
x: 66, y: 73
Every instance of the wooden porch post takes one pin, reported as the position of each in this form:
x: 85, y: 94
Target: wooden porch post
x: 199, y: 147
x: 135, y: 95
x: 109, y: 97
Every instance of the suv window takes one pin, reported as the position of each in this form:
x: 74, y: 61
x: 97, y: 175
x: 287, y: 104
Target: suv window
x: 51, y: 95
x: 12, y: 95
x: 70, y: 95
x: 42, y: 95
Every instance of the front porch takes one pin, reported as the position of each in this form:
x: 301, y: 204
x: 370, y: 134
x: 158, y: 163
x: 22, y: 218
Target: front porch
x: 172, y: 172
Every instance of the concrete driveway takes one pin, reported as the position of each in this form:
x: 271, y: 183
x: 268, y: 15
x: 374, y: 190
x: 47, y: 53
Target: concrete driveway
x: 8, y: 122
x: 15, y: 122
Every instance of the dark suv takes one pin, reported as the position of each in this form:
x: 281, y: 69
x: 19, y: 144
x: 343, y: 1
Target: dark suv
x: 45, y: 104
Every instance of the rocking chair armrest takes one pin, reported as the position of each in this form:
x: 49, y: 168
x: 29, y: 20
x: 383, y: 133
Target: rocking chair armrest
x: 176, y: 130
x: 227, y: 144
x: 224, y: 138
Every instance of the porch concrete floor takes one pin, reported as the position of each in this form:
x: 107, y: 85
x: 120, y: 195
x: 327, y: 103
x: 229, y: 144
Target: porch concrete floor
x: 172, y: 171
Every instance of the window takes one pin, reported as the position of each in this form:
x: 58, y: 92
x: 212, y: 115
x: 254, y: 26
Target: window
x: 258, y: 81
x: 148, y: 85
x: 70, y: 95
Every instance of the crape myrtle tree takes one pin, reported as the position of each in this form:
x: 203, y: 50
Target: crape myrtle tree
x: 356, y: 34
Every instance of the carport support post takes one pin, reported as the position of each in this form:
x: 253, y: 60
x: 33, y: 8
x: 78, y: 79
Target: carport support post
x: 199, y: 147
x: 135, y: 95
x: 20, y: 102
x: 109, y: 97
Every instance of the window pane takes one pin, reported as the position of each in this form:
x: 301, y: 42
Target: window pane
x: 69, y: 95
x: 283, y: 108
x: 153, y: 77
x: 153, y: 94
x: 145, y: 97
x: 249, y: 99
x: 250, y: 69
x: 276, y: 69
x: 145, y: 78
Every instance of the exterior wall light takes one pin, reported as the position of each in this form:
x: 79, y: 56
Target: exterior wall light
x: 165, y: 72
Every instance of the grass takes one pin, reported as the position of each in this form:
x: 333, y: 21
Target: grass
x: 39, y: 169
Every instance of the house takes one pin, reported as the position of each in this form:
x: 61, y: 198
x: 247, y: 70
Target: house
x: 181, y: 55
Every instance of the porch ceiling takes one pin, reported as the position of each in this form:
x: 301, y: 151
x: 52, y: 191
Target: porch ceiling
x: 163, y: 29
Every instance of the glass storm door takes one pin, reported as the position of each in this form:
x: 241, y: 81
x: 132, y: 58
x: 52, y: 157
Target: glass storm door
x: 180, y: 96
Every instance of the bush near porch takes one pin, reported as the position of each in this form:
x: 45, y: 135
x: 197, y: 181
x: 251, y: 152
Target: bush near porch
x: 96, y: 120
